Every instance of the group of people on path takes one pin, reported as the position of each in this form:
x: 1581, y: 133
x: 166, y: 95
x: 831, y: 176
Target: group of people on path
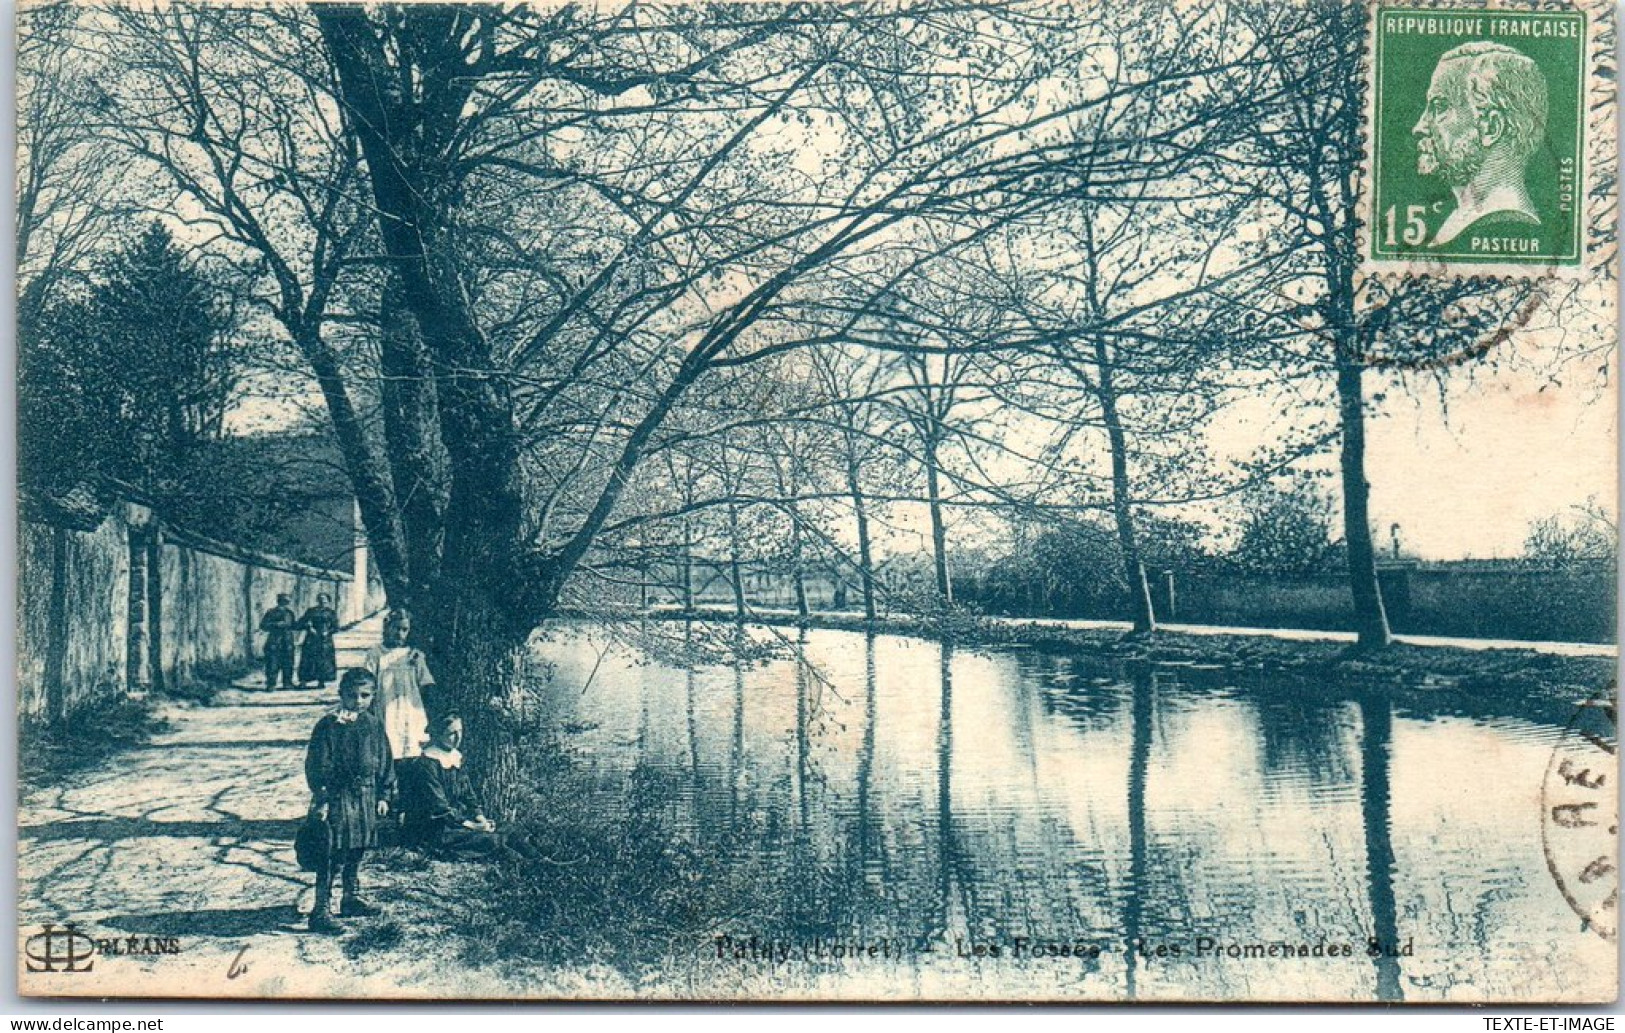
x: 318, y: 661
x: 378, y: 756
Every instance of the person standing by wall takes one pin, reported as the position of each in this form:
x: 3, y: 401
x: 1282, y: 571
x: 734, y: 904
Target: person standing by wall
x: 318, y: 662
x: 278, y: 624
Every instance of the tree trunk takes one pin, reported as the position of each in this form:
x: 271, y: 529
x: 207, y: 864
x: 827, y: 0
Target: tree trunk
x: 939, y: 534
x: 798, y: 575
x: 866, y: 565
x: 735, y: 576
x: 492, y: 591
x: 1332, y: 192
x: 412, y: 434
x: 1370, y: 619
x: 469, y: 677
x: 485, y: 589
x: 643, y: 582
x: 369, y: 476
x: 1128, y: 540
x: 688, y: 566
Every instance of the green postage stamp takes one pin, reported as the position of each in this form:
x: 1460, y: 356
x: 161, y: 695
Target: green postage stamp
x: 1477, y: 138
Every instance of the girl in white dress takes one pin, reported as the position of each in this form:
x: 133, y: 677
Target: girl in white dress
x: 403, y: 676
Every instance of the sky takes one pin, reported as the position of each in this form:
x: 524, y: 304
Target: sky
x: 1469, y: 483
x: 1464, y: 473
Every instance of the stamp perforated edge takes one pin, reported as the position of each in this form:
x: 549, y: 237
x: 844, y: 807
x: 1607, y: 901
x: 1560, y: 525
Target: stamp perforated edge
x: 1598, y: 152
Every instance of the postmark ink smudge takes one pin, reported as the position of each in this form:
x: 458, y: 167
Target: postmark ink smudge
x: 1580, y: 815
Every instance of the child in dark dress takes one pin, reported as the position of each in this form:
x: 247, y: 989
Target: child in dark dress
x: 351, y: 778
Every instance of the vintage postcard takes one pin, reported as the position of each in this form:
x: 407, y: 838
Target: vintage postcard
x: 913, y: 500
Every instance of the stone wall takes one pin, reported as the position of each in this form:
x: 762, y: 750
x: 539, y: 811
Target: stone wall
x: 73, y: 604
x: 131, y: 604
x: 1527, y: 603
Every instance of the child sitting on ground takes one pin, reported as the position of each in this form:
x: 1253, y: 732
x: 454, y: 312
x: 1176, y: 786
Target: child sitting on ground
x: 351, y: 777
x: 440, y: 810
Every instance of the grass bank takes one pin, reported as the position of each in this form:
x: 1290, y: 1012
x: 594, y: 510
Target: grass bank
x: 48, y: 753
x: 1513, y: 673
x: 637, y: 878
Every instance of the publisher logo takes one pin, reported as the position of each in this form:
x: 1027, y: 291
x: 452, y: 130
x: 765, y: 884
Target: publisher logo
x: 59, y: 948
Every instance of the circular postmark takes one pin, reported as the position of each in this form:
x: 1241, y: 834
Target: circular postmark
x: 1580, y: 815
x: 1431, y: 322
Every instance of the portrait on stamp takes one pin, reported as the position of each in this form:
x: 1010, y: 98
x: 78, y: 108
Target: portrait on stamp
x: 1484, y: 117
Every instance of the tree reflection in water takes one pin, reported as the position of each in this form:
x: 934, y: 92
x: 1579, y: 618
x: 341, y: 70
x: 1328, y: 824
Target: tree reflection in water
x: 884, y: 787
x: 1376, y: 747
x: 1139, y: 763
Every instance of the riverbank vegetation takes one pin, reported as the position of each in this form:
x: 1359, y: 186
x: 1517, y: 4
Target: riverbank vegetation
x: 1504, y: 673
x: 49, y: 753
x: 637, y: 875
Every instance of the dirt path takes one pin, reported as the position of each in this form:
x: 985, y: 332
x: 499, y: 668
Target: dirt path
x: 191, y: 838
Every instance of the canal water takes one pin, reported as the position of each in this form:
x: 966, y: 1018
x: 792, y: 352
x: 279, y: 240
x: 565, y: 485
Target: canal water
x: 1013, y: 824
